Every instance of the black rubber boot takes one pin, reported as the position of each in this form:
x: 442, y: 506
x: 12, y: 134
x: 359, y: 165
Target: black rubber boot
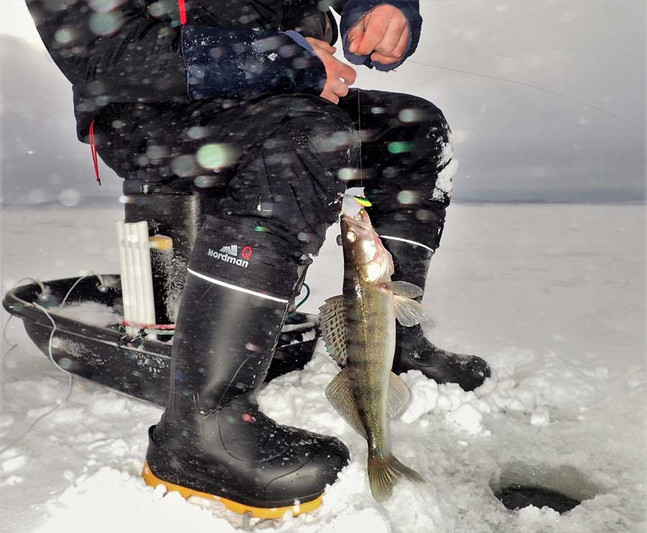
x: 413, y: 350
x: 180, y: 215
x: 212, y: 439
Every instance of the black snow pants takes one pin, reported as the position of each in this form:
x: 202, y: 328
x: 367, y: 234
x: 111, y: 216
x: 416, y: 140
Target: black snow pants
x: 278, y: 163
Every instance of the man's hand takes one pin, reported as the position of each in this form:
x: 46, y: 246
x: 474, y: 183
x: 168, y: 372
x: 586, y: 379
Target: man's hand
x: 339, y: 76
x: 383, y: 33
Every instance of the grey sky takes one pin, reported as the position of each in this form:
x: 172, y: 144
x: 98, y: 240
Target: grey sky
x: 512, y: 141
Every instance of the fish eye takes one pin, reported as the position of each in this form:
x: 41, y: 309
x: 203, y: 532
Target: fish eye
x: 338, y: 240
x: 351, y: 236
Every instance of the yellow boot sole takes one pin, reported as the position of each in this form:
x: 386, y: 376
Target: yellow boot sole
x: 241, y: 508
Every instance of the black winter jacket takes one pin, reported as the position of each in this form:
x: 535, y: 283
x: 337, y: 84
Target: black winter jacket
x: 145, y: 51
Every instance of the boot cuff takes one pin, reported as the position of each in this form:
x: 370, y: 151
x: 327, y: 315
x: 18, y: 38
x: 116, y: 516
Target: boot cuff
x: 236, y: 254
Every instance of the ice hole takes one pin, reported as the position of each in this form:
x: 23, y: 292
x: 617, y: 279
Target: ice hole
x: 562, y: 488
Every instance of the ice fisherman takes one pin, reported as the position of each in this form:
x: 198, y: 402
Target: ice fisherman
x: 243, y: 101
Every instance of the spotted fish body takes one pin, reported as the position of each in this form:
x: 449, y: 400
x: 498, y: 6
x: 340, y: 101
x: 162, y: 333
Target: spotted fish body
x: 370, y: 346
x: 366, y: 391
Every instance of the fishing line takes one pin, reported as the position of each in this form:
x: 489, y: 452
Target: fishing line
x: 4, y: 338
x: 44, y: 293
x: 59, y: 402
x: 530, y: 86
x: 359, y: 133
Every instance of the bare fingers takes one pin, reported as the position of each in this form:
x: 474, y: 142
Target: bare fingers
x: 348, y: 74
x: 375, y: 29
x: 390, y: 55
x: 318, y: 44
x: 395, y: 40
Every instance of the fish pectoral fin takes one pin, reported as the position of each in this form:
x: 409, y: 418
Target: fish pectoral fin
x: 340, y: 395
x: 408, y: 312
x: 399, y: 396
x: 333, y: 320
x: 403, y: 288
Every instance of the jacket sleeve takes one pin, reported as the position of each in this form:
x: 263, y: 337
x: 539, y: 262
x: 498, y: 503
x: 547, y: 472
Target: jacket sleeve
x: 234, y: 63
x: 123, y: 54
x: 354, y: 10
x: 131, y: 52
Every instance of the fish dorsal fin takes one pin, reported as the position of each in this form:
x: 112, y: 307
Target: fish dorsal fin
x: 399, y: 396
x: 333, y: 332
x: 408, y: 312
x: 403, y: 288
x: 340, y: 394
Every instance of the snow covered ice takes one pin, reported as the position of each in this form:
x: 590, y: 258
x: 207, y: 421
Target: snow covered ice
x: 551, y: 296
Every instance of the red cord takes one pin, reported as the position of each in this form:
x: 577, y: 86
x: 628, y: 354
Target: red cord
x: 182, y: 7
x: 93, y: 144
x: 93, y: 151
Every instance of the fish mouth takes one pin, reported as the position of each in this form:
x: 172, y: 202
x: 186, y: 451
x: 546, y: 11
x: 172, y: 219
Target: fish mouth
x: 364, y: 248
x: 360, y: 221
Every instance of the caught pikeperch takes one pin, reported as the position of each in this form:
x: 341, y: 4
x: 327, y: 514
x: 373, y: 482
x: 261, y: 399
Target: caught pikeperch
x: 359, y: 331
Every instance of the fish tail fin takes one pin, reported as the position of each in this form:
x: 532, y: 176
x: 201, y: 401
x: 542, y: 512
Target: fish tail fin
x: 385, y: 472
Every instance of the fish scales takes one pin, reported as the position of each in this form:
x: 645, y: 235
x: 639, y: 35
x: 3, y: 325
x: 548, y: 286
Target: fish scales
x: 365, y: 392
x: 370, y: 334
